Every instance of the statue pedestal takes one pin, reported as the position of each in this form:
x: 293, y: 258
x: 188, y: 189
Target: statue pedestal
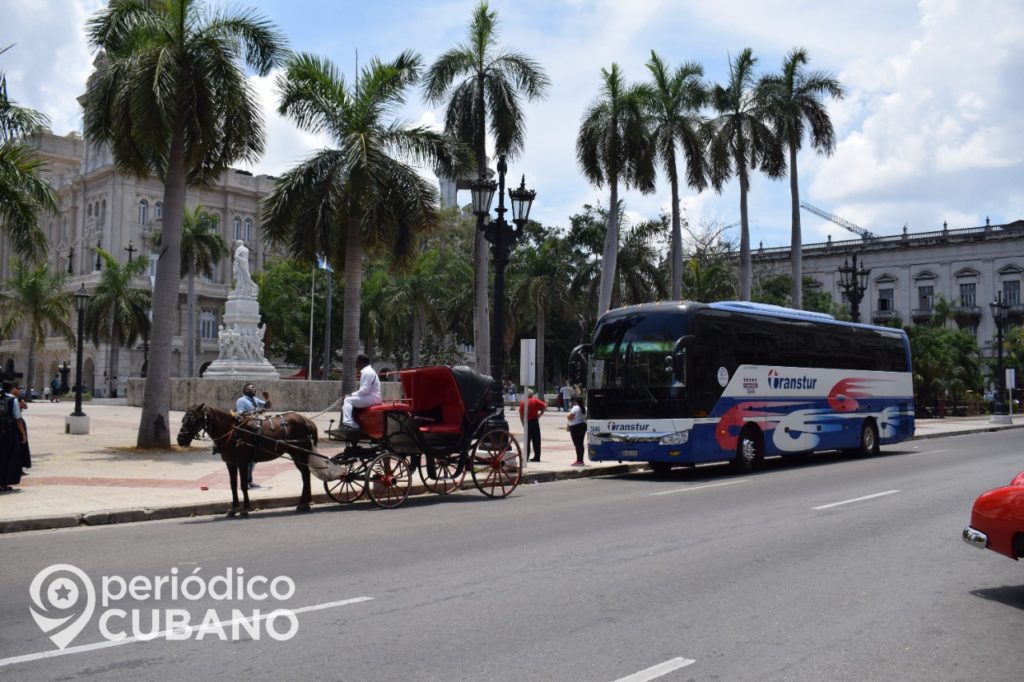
x: 240, y: 340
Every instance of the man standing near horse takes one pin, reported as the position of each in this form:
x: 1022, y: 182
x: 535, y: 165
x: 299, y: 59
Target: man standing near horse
x: 366, y: 395
x: 250, y: 404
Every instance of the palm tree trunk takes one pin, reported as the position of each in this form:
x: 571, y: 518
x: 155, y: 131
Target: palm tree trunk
x: 677, y: 239
x: 191, y: 354
x: 115, y: 358
x: 111, y: 361
x: 746, y: 278
x: 417, y: 335
x: 154, y: 431
x: 796, y: 253
x: 353, y: 302
x: 30, y: 369
x: 610, y: 254
x: 481, y: 321
x: 541, y: 324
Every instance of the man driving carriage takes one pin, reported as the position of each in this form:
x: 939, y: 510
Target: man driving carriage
x: 246, y: 405
x: 366, y: 395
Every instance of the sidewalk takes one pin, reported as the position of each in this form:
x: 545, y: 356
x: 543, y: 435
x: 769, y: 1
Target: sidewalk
x: 101, y: 478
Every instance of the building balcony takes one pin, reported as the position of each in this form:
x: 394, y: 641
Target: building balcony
x: 1016, y: 313
x: 922, y: 315
x: 884, y: 316
x: 966, y: 313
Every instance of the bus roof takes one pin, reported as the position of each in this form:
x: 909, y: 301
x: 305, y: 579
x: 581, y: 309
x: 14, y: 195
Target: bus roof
x: 747, y: 307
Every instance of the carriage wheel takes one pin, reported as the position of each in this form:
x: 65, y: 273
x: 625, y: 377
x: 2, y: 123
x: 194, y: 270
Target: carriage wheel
x: 448, y: 473
x: 497, y: 463
x: 388, y: 480
x: 350, y: 486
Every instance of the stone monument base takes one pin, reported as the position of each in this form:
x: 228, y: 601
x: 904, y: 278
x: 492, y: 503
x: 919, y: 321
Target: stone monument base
x: 234, y: 369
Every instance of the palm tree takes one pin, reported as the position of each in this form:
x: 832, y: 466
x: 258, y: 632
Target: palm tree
x: 170, y: 99
x: 674, y: 99
x: 35, y: 299
x: 361, y: 192
x: 794, y: 99
x: 23, y: 193
x: 202, y: 247
x: 613, y: 146
x: 118, y: 313
x: 483, y: 85
x: 640, y: 279
x: 742, y: 141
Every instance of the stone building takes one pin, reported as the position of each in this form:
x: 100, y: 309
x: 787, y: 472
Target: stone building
x: 911, y: 272
x: 100, y: 206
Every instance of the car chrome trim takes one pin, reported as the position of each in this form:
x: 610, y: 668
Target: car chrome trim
x: 975, y: 538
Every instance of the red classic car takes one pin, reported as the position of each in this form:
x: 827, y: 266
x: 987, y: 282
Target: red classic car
x: 997, y: 520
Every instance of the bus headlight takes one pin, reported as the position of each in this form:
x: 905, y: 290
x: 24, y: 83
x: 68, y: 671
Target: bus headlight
x: 594, y: 439
x: 677, y: 438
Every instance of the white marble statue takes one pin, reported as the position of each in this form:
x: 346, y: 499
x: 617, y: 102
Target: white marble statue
x: 243, y: 280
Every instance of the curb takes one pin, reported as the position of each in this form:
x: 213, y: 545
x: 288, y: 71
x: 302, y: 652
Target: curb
x: 115, y: 516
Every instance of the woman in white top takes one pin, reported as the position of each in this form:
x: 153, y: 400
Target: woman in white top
x: 577, y: 419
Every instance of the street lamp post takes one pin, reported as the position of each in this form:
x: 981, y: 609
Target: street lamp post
x: 854, y: 282
x: 1000, y: 311
x: 78, y: 423
x: 502, y: 237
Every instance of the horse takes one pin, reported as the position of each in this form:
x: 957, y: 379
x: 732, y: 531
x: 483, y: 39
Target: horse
x: 253, y: 438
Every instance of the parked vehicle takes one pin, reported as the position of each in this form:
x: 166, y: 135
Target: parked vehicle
x: 997, y: 520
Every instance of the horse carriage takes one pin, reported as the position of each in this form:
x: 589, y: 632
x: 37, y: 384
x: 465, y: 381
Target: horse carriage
x: 445, y: 427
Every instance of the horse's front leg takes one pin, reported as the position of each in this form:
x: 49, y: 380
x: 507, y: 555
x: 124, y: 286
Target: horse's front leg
x: 247, y: 506
x: 233, y: 474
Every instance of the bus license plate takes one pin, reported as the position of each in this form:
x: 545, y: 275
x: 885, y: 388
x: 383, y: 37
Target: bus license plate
x: 630, y: 453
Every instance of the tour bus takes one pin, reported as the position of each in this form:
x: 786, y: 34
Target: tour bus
x: 681, y: 383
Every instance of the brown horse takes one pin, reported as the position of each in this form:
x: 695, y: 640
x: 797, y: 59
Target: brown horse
x: 253, y: 438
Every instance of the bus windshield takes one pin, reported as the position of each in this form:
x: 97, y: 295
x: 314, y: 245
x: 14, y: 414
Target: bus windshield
x: 628, y: 362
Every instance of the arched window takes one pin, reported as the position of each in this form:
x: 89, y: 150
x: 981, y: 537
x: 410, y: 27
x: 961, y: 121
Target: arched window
x: 143, y: 212
x: 88, y: 211
x: 238, y: 227
x: 248, y: 229
x: 103, y: 211
x: 158, y: 210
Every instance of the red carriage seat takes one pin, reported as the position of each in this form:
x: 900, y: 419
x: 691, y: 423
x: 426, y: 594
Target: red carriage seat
x: 435, y: 401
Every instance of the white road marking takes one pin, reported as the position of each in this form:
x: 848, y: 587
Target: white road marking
x: 657, y: 671
x: 95, y: 646
x: 930, y: 452
x: 857, y: 499
x: 700, y: 487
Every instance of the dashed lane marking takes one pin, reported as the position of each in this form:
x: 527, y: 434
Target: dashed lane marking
x: 699, y: 487
x: 657, y: 671
x: 856, y: 499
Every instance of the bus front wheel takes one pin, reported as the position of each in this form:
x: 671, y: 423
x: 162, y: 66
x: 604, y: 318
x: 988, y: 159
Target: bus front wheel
x: 749, y: 451
x: 868, y: 439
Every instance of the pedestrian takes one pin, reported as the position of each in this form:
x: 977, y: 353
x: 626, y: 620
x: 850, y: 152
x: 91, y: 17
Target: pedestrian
x: 535, y: 407
x: 577, y: 419
x: 566, y: 393
x: 12, y: 437
x: 250, y: 404
x: 512, y: 397
x: 366, y: 395
x: 26, y: 454
x: 55, y: 388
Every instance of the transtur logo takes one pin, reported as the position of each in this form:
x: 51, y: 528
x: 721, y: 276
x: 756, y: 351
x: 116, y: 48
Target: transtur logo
x: 636, y: 426
x: 790, y: 383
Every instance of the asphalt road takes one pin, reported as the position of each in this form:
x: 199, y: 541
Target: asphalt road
x: 699, y: 575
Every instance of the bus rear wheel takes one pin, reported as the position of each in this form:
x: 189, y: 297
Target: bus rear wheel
x: 749, y: 451
x: 868, y: 439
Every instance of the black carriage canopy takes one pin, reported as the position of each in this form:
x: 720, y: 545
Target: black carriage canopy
x: 475, y: 388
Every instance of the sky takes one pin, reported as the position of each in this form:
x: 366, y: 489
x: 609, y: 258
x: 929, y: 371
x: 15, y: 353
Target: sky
x: 931, y: 129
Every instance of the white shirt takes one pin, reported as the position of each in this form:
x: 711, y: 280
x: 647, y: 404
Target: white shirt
x: 576, y: 416
x: 369, y: 384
